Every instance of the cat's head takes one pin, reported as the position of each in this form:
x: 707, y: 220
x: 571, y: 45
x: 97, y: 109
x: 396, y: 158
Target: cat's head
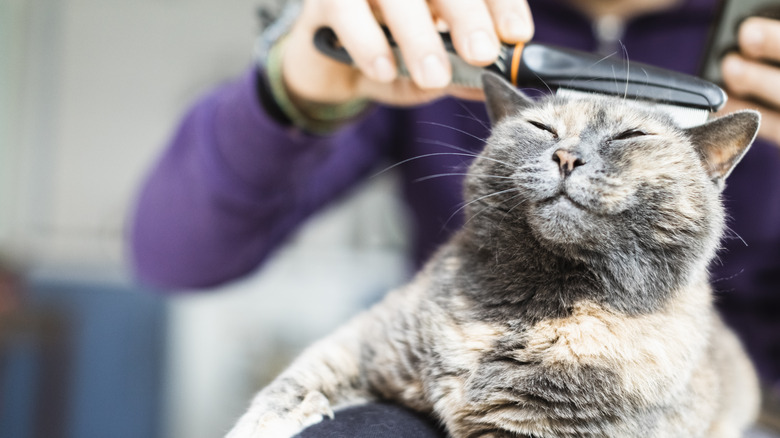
x: 602, y: 176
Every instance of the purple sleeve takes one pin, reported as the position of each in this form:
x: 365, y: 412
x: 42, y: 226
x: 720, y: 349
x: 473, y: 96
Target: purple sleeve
x: 233, y: 183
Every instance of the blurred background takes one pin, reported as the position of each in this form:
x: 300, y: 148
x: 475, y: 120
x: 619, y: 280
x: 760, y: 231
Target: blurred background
x: 90, y: 91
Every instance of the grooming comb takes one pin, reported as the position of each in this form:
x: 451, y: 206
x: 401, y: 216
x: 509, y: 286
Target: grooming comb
x: 687, y: 99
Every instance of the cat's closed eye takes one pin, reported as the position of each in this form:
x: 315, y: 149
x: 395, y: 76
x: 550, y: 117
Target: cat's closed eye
x: 544, y: 127
x: 631, y: 133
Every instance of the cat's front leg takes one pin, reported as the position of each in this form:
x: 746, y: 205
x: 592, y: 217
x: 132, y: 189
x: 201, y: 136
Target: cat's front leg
x: 269, y: 417
x: 326, y: 375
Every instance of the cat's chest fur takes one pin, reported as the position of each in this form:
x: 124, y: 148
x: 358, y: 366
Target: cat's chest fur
x: 588, y: 368
x: 591, y: 334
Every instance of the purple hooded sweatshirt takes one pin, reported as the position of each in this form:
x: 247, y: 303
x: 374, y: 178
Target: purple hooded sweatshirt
x: 235, y: 182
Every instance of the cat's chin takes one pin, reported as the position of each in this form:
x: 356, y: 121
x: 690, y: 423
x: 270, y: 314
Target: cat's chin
x: 562, y: 220
x: 562, y: 205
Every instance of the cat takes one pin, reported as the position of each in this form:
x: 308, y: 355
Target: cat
x: 574, y: 302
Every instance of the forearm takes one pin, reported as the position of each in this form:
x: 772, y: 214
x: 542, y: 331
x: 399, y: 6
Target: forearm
x: 232, y: 184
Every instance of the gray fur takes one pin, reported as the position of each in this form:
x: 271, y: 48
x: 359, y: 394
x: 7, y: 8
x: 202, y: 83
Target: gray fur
x: 573, y: 303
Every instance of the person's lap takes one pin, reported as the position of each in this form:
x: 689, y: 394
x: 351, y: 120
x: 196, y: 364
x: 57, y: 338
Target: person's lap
x: 384, y: 420
x: 375, y: 420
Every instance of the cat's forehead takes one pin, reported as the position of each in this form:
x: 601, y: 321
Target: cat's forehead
x: 597, y: 113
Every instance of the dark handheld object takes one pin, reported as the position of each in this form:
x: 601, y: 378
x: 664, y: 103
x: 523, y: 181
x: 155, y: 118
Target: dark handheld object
x: 723, y: 34
x: 545, y: 66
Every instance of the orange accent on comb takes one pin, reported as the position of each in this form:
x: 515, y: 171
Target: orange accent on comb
x: 518, y: 50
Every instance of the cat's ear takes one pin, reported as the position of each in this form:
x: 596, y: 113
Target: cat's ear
x: 722, y: 142
x: 501, y: 97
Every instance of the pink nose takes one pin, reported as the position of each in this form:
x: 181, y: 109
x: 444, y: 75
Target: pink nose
x: 567, y: 160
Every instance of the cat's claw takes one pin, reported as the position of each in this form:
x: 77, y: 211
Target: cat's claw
x: 257, y: 423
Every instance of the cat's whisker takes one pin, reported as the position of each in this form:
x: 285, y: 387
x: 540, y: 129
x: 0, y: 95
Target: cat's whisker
x: 731, y: 233
x: 487, y: 207
x: 469, y: 153
x: 441, y: 175
x: 576, y: 77
x: 473, y: 117
x: 628, y: 68
x: 442, y: 125
x: 476, y: 214
x: 718, y: 280
x: 501, y: 192
x: 517, y: 205
x: 434, y: 154
x: 470, y: 117
x: 528, y: 170
x: 445, y: 144
x: 508, y: 213
x: 527, y: 179
x: 550, y: 90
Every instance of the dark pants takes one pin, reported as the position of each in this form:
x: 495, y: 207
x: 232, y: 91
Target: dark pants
x: 375, y: 420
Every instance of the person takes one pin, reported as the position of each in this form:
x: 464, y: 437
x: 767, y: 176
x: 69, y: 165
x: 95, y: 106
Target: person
x: 257, y: 156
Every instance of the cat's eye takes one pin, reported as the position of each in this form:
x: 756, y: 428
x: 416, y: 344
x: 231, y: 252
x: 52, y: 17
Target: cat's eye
x: 543, y: 127
x: 631, y: 133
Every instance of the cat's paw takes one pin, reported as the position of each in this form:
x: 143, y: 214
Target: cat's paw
x: 257, y: 423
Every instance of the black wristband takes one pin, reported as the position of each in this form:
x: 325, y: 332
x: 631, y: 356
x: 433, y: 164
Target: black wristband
x: 266, y: 99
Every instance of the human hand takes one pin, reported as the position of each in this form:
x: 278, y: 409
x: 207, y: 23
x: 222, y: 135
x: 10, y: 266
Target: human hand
x: 752, y: 76
x: 476, y: 27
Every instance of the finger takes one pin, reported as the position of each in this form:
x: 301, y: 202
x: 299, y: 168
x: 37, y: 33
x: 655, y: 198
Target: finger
x: 770, y: 119
x: 412, y: 27
x: 759, y: 38
x: 513, y: 20
x: 747, y: 78
x: 472, y: 29
x: 358, y: 31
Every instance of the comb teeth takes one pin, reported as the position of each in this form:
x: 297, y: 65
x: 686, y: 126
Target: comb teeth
x: 684, y: 117
x: 463, y: 73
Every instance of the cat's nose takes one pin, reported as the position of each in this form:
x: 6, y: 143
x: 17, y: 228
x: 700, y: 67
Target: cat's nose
x: 567, y: 160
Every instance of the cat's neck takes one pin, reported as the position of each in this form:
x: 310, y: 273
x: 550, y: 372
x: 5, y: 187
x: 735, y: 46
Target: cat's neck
x: 513, y: 273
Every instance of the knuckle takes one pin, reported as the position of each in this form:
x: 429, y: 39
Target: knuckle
x: 463, y: 10
x: 420, y: 40
x: 741, y: 75
x: 761, y: 49
x: 750, y: 76
x: 771, y: 47
x: 730, y: 77
x: 502, y: 7
x: 512, y: 19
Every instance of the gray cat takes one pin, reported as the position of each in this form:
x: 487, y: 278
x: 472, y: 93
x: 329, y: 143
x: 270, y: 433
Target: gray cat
x: 573, y: 303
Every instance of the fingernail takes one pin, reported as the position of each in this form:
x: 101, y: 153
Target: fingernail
x: 383, y: 69
x: 434, y: 73
x: 481, y: 47
x: 752, y: 35
x: 512, y: 27
x: 733, y: 67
